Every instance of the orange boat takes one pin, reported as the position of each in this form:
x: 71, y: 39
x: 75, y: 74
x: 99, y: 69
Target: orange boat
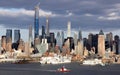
x: 63, y: 69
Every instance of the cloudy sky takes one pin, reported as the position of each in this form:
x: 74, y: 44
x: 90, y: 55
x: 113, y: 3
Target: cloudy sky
x: 87, y: 15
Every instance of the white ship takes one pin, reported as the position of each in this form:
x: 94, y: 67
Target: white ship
x: 57, y: 59
x: 10, y: 60
x: 93, y: 62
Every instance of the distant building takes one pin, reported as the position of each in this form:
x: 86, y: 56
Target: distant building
x: 21, y: 45
x: 69, y: 29
x: 86, y: 44
x: 85, y: 52
x: 37, y: 41
x: 75, y: 39
x: 80, y: 35
x: 16, y: 35
x: 92, y: 42
x: 69, y: 42
x: 43, y: 32
x: 30, y: 36
x: 52, y: 39
x: 47, y: 27
x: 66, y: 47
x: 9, y: 35
x: 59, y: 40
x: 27, y: 48
x: 9, y: 40
x: 117, y: 44
x: 95, y: 42
x: 101, y: 43
x: 79, y: 48
x: 3, y: 42
x: 109, y: 41
x: 62, y: 35
x: 36, y: 22
x: 43, y: 47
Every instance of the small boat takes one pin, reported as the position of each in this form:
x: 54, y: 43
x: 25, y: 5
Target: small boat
x: 63, y: 69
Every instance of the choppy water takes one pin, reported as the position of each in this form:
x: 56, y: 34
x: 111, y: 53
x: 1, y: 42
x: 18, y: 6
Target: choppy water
x: 76, y: 69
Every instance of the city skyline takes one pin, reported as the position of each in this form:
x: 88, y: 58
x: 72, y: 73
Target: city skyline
x: 101, y: 15
x: 75, y: 34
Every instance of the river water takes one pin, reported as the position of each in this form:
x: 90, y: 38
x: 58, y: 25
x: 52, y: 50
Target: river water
x: 76, y: 69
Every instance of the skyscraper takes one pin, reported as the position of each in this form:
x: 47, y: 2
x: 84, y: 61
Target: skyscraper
x: 47, y: 27
x: 109, y: 40
x: 117, y: 47
x: 9, y: 39
x: 59, y: 39
x: 90, y: 38
x: 80, y: 35
x: 52, y: 39
x: 21, y: 45
x: 69, y: 29
x: 43, y: 32
x: 3, y: 42
x: 30, y: 35
x: 70, y: 43
x: 79, y: 48
x: 36, y: 22
x: 95, y: 42
x: 101, y: 43
x: 9, y: 35
x: 27, y: 49
x: 16, y: 35
x: 75, y: 38
x: 62, y: 35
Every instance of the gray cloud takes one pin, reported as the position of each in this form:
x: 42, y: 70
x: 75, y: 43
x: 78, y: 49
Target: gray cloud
x: 78, y: 8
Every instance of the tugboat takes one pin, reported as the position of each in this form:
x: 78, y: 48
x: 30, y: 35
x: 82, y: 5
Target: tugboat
x: 63, y: 69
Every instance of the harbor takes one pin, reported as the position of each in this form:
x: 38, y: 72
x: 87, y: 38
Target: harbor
x: 48, y: 69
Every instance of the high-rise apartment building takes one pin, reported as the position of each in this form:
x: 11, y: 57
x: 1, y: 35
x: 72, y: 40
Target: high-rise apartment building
x: 75, y: 38
x: 43, y: 32
x: 90, y: 40
x: 117, y: 44
x: 52, y: 39
x: 21, y: 45
x: 36, y: 22
x: 9, y: 35
x: 3, y: 42
x: 16, y: 35
x: 79, y: 48
x: 59, y: 39
x: 62, y: 35
x: 109, y: 40
x: 9, y: 40
x: 80, y: 35
x: 30, y: 35
x: 47, y: 27
x: 70, y: 43
x: 69, y: 29
x: 101, y: 43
